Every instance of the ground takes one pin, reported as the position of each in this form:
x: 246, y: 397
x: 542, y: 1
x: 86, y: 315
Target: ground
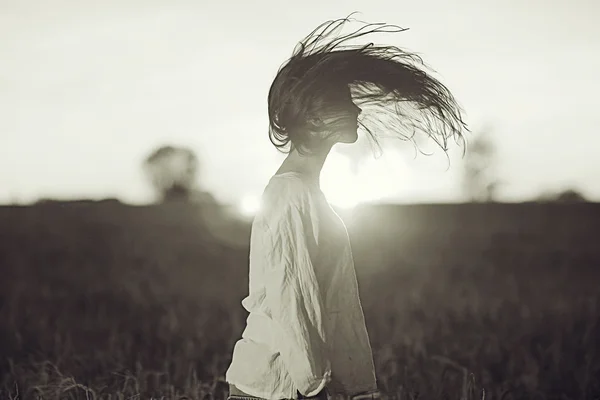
x: 111, y: 301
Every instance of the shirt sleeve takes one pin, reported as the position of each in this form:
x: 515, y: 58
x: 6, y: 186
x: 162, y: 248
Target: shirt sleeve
x: 295, y: 301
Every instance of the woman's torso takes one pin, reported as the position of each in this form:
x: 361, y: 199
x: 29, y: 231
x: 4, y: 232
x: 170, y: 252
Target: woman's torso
x: 330, y: 253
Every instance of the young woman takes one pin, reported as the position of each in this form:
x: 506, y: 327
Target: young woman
x: 305, y: 335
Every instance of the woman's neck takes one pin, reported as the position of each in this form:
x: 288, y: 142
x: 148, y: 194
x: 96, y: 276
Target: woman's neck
x: 309, y: 165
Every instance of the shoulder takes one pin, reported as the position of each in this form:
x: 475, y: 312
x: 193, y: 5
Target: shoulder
x: 284, y: 197
x: 288, y: 187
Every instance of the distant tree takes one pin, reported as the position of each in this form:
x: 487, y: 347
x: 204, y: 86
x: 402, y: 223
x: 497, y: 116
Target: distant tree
x: 172, y: 172
x: 479, y: 178
x: 566, y: 196
x: 570, y: 196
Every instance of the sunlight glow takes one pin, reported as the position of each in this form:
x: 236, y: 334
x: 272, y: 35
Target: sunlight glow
x: 374, y: 180
x: 249, y: 205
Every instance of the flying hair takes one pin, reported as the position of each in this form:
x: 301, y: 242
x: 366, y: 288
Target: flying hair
x: 399, y: 98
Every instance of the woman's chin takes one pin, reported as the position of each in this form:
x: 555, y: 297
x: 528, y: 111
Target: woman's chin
x: 350, y: 138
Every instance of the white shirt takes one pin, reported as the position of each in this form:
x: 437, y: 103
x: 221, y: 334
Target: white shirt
x: 306, y: 329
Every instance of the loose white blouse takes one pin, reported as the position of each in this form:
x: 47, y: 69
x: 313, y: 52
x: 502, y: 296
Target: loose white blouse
x: 306, y: 329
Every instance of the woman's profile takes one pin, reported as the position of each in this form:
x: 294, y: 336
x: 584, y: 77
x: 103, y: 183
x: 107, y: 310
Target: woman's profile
x: 305, y: 335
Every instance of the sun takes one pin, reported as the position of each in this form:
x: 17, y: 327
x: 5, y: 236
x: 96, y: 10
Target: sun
x: 338, y: 182
x: 373, y: 181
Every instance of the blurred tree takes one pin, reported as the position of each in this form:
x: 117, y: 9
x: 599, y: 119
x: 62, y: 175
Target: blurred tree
x: 570, y: 196
x: 566, y: 196
x: 479, y: 180
x: 172, y: 172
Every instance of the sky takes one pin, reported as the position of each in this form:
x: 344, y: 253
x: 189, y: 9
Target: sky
x: 89, y: 89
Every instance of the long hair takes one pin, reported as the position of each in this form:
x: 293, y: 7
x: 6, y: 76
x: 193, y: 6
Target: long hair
x: 398, y: 97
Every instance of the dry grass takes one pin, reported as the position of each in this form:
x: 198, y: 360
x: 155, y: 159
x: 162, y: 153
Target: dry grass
x: 113, y: 302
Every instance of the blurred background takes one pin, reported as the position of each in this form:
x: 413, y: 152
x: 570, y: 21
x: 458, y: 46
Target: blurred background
x: 134, y: 150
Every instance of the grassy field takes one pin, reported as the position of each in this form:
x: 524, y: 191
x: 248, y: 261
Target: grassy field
x: 107, y: 301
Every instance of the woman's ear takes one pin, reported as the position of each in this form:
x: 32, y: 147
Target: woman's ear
x: 316, y: 119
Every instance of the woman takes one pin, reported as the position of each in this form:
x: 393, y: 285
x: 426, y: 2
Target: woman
x: 305, y: 335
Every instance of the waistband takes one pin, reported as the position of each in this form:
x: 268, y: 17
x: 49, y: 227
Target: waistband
x: 237, y: 394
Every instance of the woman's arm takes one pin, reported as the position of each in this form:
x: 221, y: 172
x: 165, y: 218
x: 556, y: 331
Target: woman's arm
x: 295, y: 301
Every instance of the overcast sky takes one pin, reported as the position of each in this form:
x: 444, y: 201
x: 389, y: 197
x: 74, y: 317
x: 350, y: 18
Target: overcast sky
x: 88, y: 89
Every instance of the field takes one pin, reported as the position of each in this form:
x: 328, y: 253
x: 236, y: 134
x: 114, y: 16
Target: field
x: 108, y: 301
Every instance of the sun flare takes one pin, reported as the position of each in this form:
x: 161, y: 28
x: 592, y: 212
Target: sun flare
x: 373, y: 181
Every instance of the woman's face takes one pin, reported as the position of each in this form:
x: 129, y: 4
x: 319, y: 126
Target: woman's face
x: 340, y: 117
